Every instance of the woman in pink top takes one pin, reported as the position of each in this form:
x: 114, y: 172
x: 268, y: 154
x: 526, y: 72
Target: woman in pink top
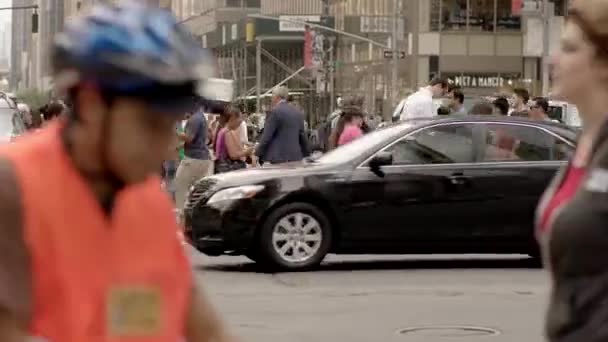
x: 349, y: 125
x: 352, y: 128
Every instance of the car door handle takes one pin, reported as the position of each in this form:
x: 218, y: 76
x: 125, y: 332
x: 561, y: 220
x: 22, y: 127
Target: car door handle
x: 458, y: 178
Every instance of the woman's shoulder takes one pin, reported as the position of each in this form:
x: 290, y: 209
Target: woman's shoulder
x: 353, y: 129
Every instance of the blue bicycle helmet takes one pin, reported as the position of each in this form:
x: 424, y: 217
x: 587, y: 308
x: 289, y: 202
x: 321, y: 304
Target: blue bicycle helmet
x: 133, y: 50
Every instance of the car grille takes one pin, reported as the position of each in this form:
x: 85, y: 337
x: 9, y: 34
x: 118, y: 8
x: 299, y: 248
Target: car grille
x: 200, y: 193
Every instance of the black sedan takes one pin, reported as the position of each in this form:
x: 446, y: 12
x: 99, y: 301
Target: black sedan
x: 447, y: 185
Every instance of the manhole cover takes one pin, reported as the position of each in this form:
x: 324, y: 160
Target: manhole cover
x: 449, y: 331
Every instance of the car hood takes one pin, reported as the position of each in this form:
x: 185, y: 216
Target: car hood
x: 261, y: 174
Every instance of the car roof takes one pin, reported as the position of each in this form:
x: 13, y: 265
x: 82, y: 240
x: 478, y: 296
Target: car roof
x: 556, y: 127
x: 488, y: 118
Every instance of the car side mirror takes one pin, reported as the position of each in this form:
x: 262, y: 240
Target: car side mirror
x: 379, y: 160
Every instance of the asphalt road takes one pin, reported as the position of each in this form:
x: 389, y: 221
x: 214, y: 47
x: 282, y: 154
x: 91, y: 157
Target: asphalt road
x: 371, y: 298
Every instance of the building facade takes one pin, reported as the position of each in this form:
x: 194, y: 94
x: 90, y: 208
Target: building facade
x: 220, y: 25
x: 22, y: 68
x: 30, y: 51
x: 363, y: 68
x: 30, y: 56
x: 5, y: 45
x: 485, y: 46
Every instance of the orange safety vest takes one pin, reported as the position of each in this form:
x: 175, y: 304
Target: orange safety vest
x: 123, y: 277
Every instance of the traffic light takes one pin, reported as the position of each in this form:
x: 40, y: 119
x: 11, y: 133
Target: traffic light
x: 35, y: 22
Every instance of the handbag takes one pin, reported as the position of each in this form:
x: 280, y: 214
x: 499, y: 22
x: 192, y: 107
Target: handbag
x: 226, y: 165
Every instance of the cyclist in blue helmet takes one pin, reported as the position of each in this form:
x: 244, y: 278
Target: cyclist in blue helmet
x: 89, y: 249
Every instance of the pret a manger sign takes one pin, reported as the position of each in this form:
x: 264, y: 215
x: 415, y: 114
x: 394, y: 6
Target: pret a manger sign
x: 479, y: 81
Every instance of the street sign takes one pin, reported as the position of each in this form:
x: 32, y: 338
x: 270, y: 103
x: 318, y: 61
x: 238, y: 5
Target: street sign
x: 289, y: 26
x: 389, y: 54
x: 530, y: 7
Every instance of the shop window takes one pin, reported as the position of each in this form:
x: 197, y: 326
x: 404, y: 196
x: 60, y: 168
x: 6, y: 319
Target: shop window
x: 505, y: 19
x: 481, y: 15
x: 454, y: 15
x: 561, y: 7
x: 435, y: 13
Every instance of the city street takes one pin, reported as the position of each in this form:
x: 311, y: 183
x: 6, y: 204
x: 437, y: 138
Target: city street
x: 373, y: 298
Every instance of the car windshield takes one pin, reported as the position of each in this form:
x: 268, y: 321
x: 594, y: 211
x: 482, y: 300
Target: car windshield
x: 357, y: 147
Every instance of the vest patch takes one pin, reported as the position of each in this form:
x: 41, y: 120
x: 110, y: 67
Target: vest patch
x: 134, y: 311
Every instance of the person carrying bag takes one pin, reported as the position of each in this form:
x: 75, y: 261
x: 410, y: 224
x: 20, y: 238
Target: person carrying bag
x: 230, y: 150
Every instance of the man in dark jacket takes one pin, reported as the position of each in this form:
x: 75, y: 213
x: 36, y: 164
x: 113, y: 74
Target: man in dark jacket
x: 283, y: 139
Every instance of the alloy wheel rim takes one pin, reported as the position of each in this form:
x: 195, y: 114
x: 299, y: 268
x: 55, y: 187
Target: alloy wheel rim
x: 297, y: 237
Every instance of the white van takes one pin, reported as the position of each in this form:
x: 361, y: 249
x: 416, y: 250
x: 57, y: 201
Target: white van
x: 564, y: 112
x: 10, y: 122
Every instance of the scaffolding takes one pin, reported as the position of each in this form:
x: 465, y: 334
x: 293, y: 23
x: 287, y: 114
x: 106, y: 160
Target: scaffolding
x: 281, y: 63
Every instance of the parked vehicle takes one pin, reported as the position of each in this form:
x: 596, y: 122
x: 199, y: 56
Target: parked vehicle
x: 446, y: 185
x: 564, y: 112
x: 11, y: 124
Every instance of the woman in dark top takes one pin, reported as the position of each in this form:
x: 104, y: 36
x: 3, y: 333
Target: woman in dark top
x: 572, y: 218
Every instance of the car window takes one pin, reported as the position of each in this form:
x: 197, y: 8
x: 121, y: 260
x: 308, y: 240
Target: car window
x: 556, y: 113
x: 360, y: 146
x: 523, y: 143
x: 435, y: 145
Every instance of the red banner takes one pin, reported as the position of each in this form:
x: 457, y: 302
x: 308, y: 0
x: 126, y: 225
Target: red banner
x: 516, y: 7
x: 307, y: 48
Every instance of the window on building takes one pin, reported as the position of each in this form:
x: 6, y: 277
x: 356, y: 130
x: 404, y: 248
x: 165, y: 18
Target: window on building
x: 561, y: 7
x: 252, y: 3
x: 481, y: 15
x: 473, y: 15
x: 233, y: 3
x: 505, y: 20
x: 454, y: 15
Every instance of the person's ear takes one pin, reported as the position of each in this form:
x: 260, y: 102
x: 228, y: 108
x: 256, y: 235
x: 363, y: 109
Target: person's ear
x: 90, y: 104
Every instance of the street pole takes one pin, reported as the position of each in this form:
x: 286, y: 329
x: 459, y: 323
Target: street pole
x: 394, y: 91
x: 545, y: 59
x: 332, y: 70
x: 258, y: 75
x: 415, y: 28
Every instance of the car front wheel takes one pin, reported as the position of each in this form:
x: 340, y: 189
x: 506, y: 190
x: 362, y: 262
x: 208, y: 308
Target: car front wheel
x: 294, y: 237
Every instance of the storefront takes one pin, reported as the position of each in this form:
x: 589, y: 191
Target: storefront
x: 488, y: 84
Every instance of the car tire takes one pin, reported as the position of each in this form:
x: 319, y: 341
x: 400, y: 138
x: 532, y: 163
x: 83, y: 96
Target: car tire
x: 294, y: 237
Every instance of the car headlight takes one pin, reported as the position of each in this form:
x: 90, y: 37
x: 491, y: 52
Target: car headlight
x: 239, y: 192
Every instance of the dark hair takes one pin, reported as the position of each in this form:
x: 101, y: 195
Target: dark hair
x: 439, y: 80
x: 542, y: 103
x: 231, y: 111
x: 502, y: 104
x: 482, y: 108
x: 523, y: 93
x: 453, y: 87
x: 458, y: 95
x: 345, y: 118
x: 443, y: 110
x: 52, y: 110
